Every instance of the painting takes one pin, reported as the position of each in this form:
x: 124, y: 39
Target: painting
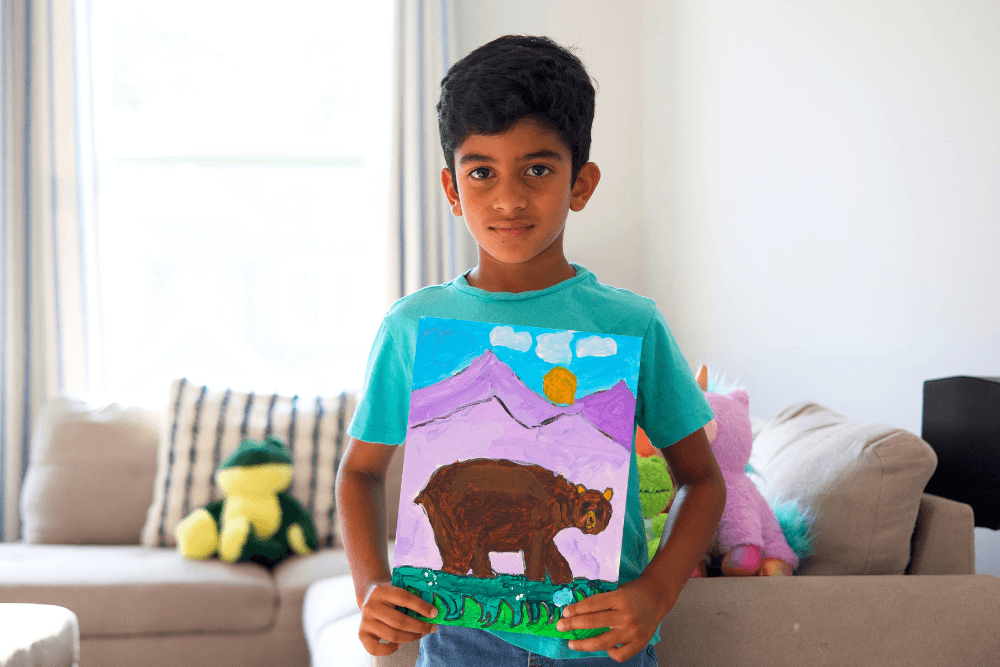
x: 515, y: 472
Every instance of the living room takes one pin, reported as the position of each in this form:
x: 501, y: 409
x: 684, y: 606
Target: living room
x: 816, y: 212
x: 817, y: 207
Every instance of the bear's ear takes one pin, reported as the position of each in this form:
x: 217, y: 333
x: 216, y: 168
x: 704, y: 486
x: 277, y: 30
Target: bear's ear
x: 581, y: 488
x: 608, y: 493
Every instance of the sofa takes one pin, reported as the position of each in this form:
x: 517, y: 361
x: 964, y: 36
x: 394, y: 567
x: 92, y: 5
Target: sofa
x: 84, y: 503
x: 891, y: 582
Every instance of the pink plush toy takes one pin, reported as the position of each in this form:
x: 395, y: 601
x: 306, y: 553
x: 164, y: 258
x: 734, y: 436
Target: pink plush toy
x: 749, y: 537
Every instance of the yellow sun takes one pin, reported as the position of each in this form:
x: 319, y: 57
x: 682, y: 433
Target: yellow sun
x: 559, y: 385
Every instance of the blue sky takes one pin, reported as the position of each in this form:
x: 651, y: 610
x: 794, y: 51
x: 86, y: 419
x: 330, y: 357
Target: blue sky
x: 445, y: 347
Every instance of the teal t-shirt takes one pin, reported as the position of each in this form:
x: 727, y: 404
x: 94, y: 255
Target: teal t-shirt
x: 669, y: 404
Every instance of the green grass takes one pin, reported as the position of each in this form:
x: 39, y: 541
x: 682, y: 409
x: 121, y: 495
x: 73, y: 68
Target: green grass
x: 509, y: 603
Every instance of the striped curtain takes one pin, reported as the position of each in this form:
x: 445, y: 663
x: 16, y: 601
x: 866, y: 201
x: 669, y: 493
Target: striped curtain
x: 48, y: 314
x: 428, y: 245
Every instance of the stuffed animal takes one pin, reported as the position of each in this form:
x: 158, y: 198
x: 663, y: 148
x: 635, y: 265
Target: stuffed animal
x: 749, y: 538
x: 656, y: 492
x: 256, y: 521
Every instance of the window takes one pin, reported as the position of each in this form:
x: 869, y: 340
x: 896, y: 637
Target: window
x: 243, y: 156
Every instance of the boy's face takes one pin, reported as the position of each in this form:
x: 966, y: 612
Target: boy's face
x: 513, y: 189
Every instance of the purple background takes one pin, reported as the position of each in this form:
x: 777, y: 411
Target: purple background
x: 461, y: 418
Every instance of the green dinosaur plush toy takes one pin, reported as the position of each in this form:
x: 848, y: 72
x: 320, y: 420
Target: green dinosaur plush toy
x: 256, y: 521
x: 656, y: 491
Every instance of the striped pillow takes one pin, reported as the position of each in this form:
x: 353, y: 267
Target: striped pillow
x: 202, y: 426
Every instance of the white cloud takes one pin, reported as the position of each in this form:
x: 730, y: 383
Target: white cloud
x: 554, y: 347
x: 595, y: 346
x: 505, y: 336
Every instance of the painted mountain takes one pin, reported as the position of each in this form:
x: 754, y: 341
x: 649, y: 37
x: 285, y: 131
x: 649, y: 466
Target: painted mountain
x: 486, y: 411
x: 611, y: 411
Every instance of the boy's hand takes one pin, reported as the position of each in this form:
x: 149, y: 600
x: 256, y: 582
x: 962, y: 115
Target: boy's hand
x: 631, y: 614
x: 383, y: 627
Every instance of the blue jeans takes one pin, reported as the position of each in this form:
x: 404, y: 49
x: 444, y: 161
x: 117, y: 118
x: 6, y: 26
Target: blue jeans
x: 455, y: 646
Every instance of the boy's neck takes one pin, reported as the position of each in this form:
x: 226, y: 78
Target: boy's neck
x: 540, y: 273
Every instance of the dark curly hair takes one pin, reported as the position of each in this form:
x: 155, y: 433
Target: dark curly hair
x: 512, y: 77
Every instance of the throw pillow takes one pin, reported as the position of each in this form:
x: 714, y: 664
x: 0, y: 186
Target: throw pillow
x: 862, y: 481
x: 203, y: 425
x: 90, y: 473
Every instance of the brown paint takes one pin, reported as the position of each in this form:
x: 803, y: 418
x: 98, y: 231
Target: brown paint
x: 480, y: 506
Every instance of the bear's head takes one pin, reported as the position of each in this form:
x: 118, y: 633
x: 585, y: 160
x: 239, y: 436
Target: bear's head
x: 592, y: 510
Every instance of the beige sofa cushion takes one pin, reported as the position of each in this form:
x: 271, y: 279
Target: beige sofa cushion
x: 202, y: 426
x: 862, y: 482
x: 90, y: 475
x: 133, y: 590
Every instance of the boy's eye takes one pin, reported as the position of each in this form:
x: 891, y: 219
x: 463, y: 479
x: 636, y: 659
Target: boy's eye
x: 480, y: 173
x: 538, y: 170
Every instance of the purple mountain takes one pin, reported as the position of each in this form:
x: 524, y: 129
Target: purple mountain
x: 611, y: 411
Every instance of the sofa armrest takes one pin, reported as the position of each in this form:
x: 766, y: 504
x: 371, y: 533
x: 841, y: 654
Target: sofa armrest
x: 824, y: 620
x: 944, y: 540
x: 834, y: 620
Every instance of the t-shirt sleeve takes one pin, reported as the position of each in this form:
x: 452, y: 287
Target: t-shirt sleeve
x: 670, y: 405
x: 385, y: 400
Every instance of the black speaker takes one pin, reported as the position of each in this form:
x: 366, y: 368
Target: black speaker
x: 962, y: 424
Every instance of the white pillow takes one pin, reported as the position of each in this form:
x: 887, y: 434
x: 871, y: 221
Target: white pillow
x: 202, y: 426
x: 90, y: 473
x: 862, y: 483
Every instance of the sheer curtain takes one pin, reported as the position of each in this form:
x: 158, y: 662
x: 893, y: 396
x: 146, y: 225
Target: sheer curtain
x: 243, y: 155
x: 49, y: 323
x: 427, y: 245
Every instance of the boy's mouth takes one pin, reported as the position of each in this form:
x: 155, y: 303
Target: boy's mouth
x: 513, y: 230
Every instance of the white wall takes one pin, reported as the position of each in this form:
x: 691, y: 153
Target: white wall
x: 823, y: 197
x: 815, y: 187
x: 608, y: 236
x: 823, y: 186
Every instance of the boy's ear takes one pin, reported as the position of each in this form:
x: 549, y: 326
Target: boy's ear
x: 451, y: 192
x: 586, y: 183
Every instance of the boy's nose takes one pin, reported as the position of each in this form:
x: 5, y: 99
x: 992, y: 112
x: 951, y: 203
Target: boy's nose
x: 509, y: 195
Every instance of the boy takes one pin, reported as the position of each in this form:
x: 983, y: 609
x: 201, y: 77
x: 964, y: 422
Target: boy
x: 515, y: 118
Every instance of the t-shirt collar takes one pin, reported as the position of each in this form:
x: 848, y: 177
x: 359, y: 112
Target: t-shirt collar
x: 462, y: 285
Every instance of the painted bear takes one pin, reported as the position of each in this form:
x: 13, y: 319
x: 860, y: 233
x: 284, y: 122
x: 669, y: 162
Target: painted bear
x: 482, y: 505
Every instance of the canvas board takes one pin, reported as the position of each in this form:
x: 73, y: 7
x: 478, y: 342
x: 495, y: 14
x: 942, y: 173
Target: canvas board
x: 515, y: 472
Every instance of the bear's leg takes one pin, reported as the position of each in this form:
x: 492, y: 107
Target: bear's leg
x: 557, y: 565
x: 534, y: 559
x: 455, y: 556
x: 457, y: 561
x: 481, y: 566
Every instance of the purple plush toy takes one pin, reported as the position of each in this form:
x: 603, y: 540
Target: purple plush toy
x: 749, y: 538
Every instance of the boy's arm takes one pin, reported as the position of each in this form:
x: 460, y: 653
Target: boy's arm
x: 361, y: 504
x: 633, y: 612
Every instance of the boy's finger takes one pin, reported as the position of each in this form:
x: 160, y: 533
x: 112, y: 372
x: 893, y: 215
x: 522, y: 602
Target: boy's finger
x: 391, y: 634
x: 404, y: 598
x: 377, y: 648
x: 396, y: 619
x: 599, y: 602
x: 624, y: 652
x: 600, y: 619
x: 602, y: 642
